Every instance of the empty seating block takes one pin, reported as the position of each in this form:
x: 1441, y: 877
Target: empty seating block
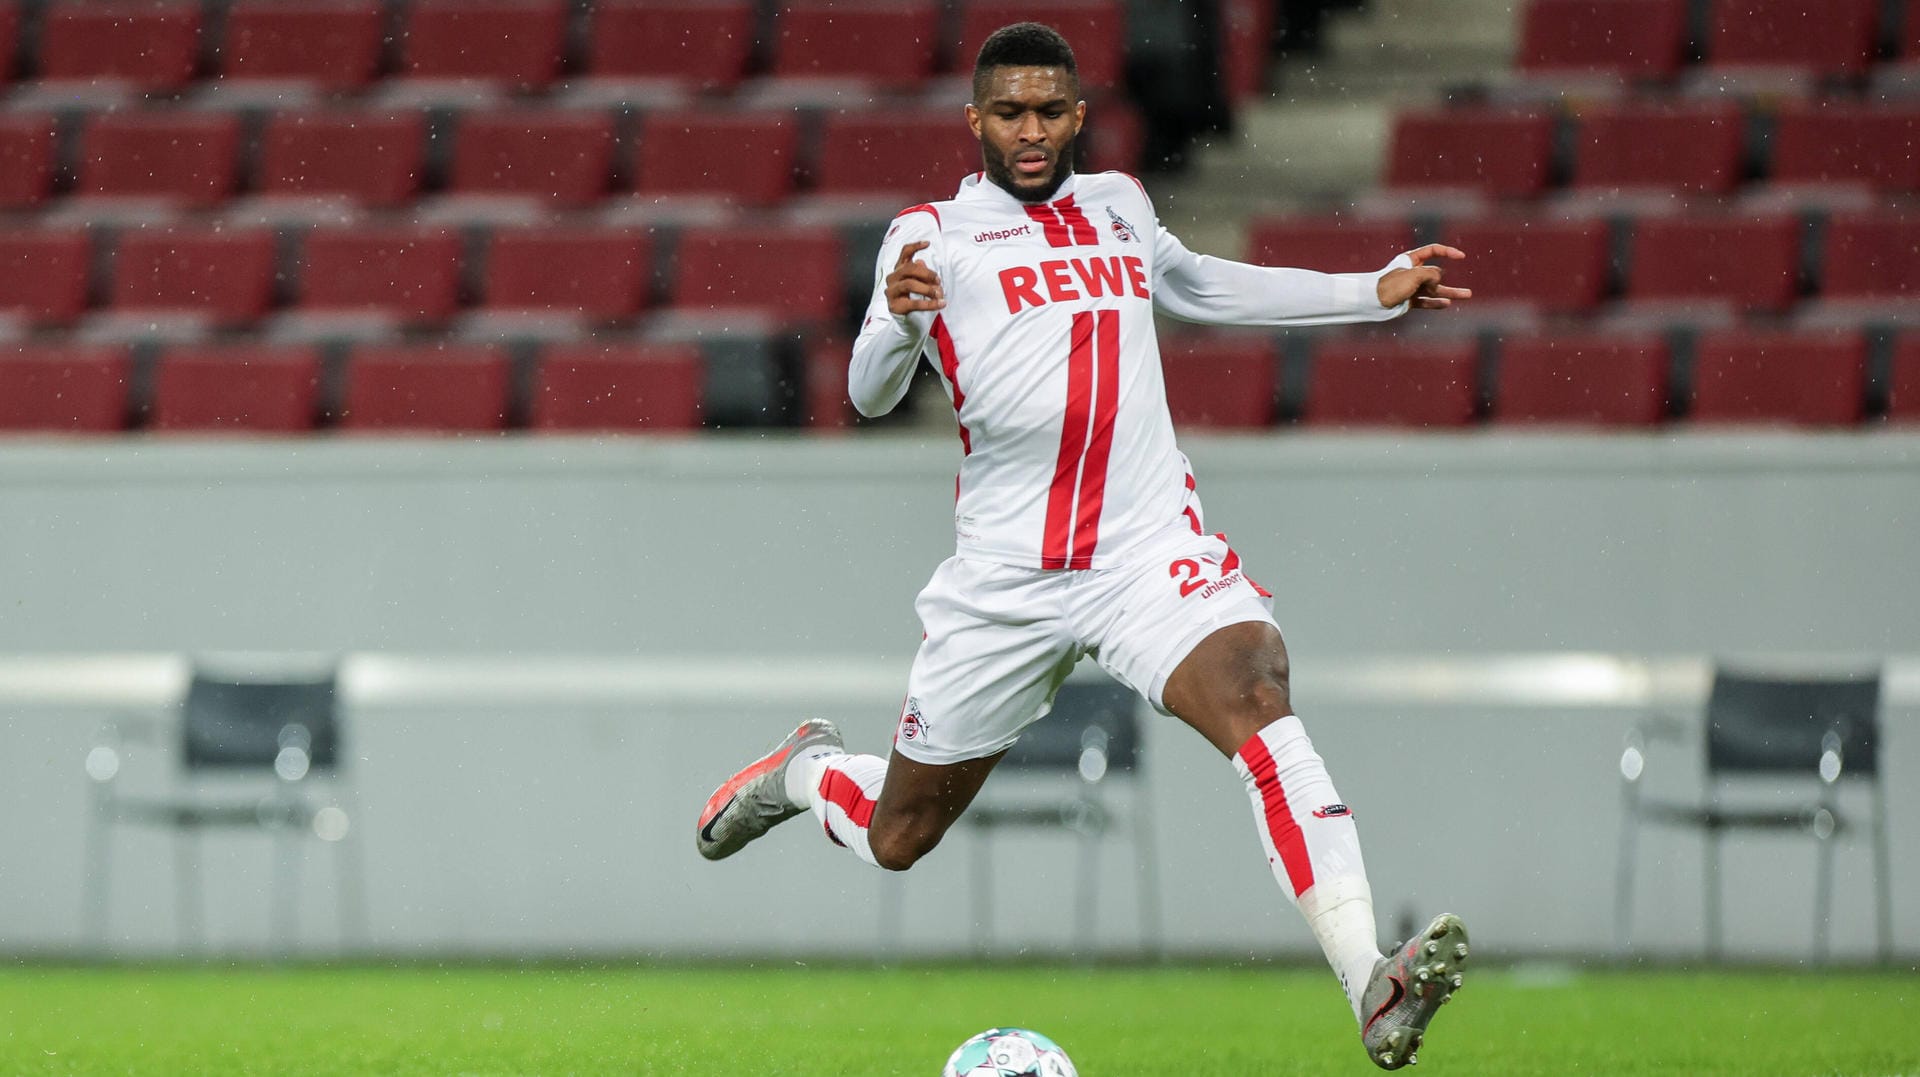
x: 1097, y: 29
x: 44, y: 274
x: 26, y: 160
x: 795, y: 274
x: 624, y: 388
x: 1751, y: 262
x: 239, y: 388
x: 1841, y: 142
x: 1632, y: 38
x: 411, y: 275
x: 915, y: 156
x: 1833, y: 37
x: 426, y: 389
x: 1689, y: 148
x: 226, y: 275
x: 892, y: 43
x: 703, y: 42
x: 180, y: 156
x: 513, y: 42
x: 1219, y: 381
x: 598, y: 273
x: 1503, y: 153
x: 1746, y: 376
x: 63, y: 389
x: 1328, y: 244
x: 376, y: 158
x: 1587, y: 380
x: 1383, y: 381
x: 1903, y: 381
x: 154, y: 46
x: 331, y: 43
x: 746, y: 156
x: 1871, y: 255
x: 1559, y: 265
x: 563, y: 156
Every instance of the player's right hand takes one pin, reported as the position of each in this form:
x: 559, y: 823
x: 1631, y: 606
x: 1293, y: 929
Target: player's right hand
x: 912, y: 286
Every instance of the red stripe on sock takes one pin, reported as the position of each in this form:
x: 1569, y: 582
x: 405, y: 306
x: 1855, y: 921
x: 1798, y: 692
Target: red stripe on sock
x: 844, y: 793
x: 1281, y: 829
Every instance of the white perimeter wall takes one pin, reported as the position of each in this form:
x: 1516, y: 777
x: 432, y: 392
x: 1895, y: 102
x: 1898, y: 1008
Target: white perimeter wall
x: 557, y: 647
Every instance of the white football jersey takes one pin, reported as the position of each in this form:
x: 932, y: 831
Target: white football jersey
x: 1047, y: 350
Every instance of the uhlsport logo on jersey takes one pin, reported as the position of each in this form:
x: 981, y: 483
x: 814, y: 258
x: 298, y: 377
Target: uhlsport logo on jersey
x: 992, y: 234
x: 1120, y: 227
x: 912, y: 725
x: 1332, y: 811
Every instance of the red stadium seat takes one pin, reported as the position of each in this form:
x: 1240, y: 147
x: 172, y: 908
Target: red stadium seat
x: 334, y: 44
x: 1097, y: 30
x: 1503, y: 153
x: 1377, y: 380
x: 827, y: 406
x: 793, y: 273
x: 1910, y: 31
x: 9, y: 37
x: 1588, y: 380
x: 44, y: 274
x: 619, y: 388
x: 512, y: 42
x: 181, y: 156
x: 64, y: 388
x: 413, y: 275
x: 1559, y: 265
x: 153, y: 46
x: 1903, y: 381
x: 917, y: 157
x: 703, y: 42
x: 563, y: 156
x: 600, y: 273
x: 706, y: 152
x: 1833, y: 37
x: 252, y: 388
x: 1751, y: 261
x: 891, y: 42
x: 1328, y: 244
x: 376, y: 158
x: 1219, y: 381
x: 1689, y: 147
x: 26, y: 160
x: 1744, y: 376
x: 1871, y: 255
x: 1842, y: 142
x: 1247, y: 38
x: 426, y: 389
x: 227, y: 275
x: 1641, y: 39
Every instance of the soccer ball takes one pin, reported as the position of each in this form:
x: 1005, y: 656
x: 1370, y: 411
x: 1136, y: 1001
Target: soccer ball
x: 1009, y: 1052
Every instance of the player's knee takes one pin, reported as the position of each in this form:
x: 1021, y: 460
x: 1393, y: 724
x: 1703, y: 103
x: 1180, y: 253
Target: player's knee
x: 898, y: 848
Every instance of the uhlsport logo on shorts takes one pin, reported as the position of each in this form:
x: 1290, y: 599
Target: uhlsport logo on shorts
x: 912, y: 725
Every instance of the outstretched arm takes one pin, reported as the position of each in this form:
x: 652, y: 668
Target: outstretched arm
x: 898, y: 320
x: 1215, y: 291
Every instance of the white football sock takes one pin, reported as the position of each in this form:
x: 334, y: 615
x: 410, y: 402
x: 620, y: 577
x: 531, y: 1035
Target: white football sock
x: 1313, y: 848
x: 842, y: 790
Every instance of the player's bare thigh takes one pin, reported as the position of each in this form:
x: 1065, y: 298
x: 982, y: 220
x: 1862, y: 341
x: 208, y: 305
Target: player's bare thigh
x: 1232, y: 685
x: 918, y: 802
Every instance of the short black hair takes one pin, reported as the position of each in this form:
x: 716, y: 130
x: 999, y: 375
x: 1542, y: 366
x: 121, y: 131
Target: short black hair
x: 1023, y: 44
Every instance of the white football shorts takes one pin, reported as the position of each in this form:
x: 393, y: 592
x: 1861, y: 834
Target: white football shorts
x: 1000, y: 639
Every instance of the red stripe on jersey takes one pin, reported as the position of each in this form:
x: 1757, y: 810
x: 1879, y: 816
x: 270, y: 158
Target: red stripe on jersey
x: 1057, y: 544
x: 1281, y: 829
x: 1189, y: 482
x: 924, y: 207
x: 1052, y: 225
x: 950, y: 366
x: 1194, y: 520
x: 843, y: 792
x: 1077, y: 223
x: 1093, y: 477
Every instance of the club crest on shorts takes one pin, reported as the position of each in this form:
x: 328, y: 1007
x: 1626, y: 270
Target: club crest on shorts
x: 1120, y: 227
x: 912, y: 725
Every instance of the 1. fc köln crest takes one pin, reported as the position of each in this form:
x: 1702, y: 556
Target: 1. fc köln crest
x: 1120, y: 227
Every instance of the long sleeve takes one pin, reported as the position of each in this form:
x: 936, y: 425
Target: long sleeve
x: 889, y: 346
x: 1198, y: 288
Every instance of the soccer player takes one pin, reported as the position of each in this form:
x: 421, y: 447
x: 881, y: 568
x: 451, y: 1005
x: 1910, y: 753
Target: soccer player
x: 1079, y: 529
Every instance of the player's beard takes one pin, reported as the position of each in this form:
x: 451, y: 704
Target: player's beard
x: 1000, y: 170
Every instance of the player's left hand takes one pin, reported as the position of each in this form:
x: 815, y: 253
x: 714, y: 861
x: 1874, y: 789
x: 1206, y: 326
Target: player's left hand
x: 1421, y: 284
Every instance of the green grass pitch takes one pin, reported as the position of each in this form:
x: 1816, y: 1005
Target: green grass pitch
x: 787, y: 1019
